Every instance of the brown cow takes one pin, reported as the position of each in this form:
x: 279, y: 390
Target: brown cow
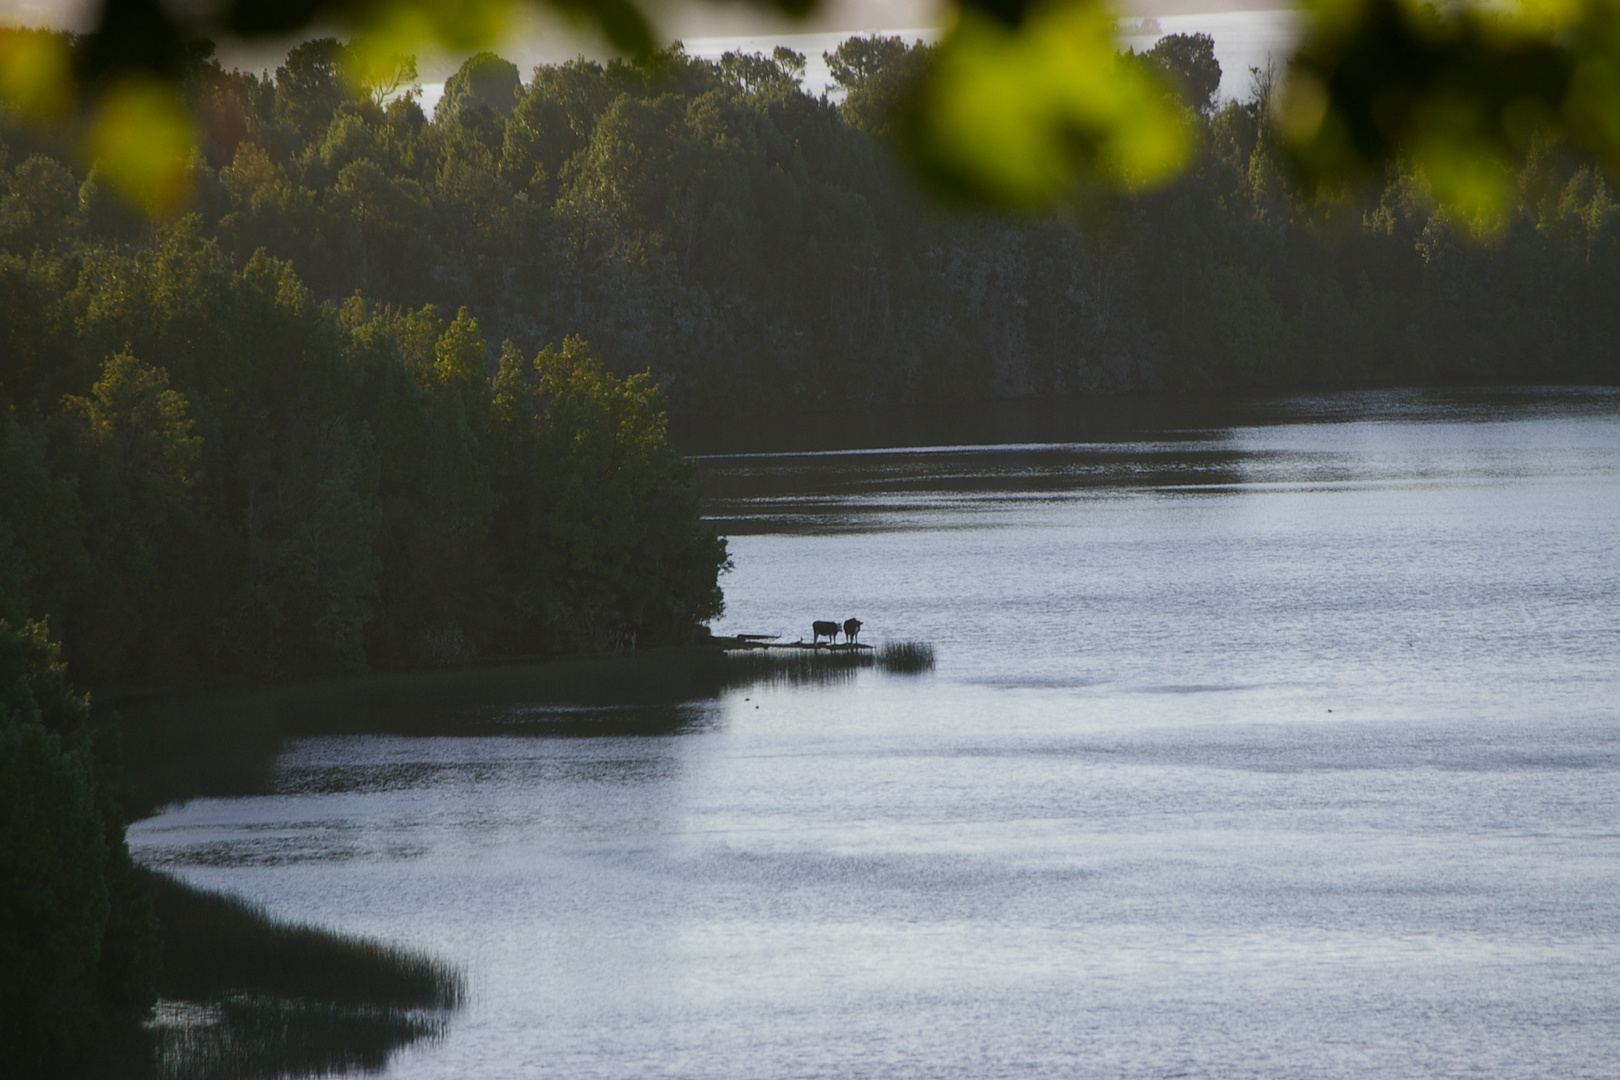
x: 822, y: 629
x: 852, y: 630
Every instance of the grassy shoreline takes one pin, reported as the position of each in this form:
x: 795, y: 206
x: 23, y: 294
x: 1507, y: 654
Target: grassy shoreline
x: 244, y: 996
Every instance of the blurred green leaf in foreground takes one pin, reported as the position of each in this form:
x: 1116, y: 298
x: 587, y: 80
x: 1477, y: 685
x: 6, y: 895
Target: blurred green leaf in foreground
x: 1017, y: 105
x: 1021, y: 103
x: 1461, y: 92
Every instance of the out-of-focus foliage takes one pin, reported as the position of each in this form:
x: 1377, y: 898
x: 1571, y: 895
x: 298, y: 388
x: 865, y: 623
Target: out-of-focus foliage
x: 1020, y: 105
x: 36, y: 73
x: 1013, y: 114
x: 1465, y: 92
x: 1462, y: 92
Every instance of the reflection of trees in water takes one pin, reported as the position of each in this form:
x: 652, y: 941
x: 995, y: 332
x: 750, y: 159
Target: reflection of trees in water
x: 224, y: 744
x: 221, y: 744
x: 822, y: 667
x: 867, y: 492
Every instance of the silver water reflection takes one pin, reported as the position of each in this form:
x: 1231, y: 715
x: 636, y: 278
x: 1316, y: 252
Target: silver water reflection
x: 1289, y: 748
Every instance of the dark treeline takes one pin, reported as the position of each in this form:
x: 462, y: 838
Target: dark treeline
x: 301, y: 489
x: 206, y: 470
x: 759, y: 250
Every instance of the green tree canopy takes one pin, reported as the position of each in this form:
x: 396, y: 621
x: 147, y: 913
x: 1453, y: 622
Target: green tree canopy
x: 1189, y: 61
x: 484, y: 82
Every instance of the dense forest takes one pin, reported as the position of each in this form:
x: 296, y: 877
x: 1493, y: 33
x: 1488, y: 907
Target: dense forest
x: 208, y: 470
x: 208, y: 467
x: 760, y: 251
x: 277, y: 434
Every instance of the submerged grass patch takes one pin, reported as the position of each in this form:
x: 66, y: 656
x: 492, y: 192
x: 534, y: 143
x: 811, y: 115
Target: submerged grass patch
x: 906, y: 657
x: 799, y: 666
x: 795, y: 666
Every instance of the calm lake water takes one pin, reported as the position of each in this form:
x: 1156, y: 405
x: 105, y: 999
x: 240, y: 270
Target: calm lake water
x: 1287, y: 746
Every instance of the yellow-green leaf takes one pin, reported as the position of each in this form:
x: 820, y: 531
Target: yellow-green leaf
x: 1017, y: 114
x: 140, y: 137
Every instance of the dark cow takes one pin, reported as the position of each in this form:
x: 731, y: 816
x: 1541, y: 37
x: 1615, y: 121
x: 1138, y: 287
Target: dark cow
x: 852, y: 630
x: 822, y: 629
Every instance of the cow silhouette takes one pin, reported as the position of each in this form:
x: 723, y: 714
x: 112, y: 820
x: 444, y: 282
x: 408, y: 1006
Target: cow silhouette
x: 823, y: 629
x: 852, y: 630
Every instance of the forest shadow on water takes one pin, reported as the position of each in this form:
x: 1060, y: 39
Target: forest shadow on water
x: 222, y: 743
x: 1124, y: 418
x: 244, y: 996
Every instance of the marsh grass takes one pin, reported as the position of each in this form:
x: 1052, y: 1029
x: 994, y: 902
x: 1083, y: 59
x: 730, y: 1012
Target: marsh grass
x: 800, y: 666
x: 795, y: 667
x: 906, y: 657
x: 248, y: 997
x: 215, y: 946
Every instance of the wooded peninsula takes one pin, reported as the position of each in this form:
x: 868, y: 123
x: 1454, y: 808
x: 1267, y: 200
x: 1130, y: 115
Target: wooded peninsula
x: 394, y: 392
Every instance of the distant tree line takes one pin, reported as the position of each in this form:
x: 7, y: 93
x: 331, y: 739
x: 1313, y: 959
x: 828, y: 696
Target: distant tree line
x: 760, y: 250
